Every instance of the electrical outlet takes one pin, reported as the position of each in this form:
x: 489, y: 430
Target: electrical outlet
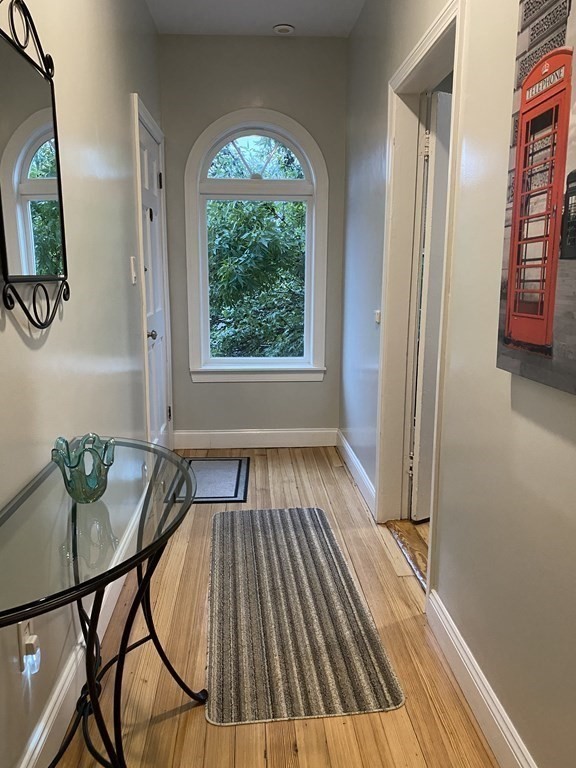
x: 133, y: 275
x: 27, y: 642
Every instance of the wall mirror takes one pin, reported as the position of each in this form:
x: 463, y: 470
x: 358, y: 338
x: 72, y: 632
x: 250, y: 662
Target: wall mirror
x: 32, y: 244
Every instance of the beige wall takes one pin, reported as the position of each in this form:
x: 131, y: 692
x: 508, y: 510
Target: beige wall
x: 507, y: 519
x: 85, y: 373
x: 506, y: 523
x: 203, y: 78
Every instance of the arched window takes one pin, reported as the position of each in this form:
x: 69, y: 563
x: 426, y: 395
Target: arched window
x: 256, y: 200
x: 29, y: 173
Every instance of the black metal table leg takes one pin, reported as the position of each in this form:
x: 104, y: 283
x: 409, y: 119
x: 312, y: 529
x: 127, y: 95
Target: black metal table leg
x: 123, y: 650
x: 168, y: 488
x: 200, y: 696
x: 142, y: 600
x: 88, y: 703
x: 94, y: 687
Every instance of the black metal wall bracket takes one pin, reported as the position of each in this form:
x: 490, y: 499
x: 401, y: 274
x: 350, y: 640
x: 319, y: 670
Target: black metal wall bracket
x: 43, y: 307
x: 28, y: 32
x: 39, y: 296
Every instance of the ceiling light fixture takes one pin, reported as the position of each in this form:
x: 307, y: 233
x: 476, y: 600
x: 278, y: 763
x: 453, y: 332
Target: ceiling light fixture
x: 284, y: 29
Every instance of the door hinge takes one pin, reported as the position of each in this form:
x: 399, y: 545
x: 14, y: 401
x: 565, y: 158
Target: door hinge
x: 426, y: 145
x: 169, y: 413
x: 411, y: 464
x: 151, y: 214
x: 160, y: 181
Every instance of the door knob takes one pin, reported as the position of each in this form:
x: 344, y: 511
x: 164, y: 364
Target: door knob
x: 152, y: 335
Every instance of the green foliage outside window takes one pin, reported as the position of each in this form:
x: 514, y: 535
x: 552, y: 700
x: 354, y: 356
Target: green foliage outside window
x: 255, y: 157
x: 256, y: 263
x: 45, y: 215
x: 47, y: 234
x: 43, y: 164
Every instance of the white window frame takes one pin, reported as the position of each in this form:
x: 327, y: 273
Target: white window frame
x: 313, y: 189
x: 20, y: 190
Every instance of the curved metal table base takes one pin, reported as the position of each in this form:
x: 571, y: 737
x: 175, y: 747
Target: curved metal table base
x: 88, y: 703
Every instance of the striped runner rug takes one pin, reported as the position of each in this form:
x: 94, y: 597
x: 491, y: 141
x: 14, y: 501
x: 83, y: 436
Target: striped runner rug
x: 290, y: 635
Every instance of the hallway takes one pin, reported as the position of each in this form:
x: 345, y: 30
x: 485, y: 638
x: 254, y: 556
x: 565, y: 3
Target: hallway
x: 433, y: 730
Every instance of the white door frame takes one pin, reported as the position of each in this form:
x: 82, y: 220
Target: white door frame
x: 428, y: 277
x: 437, y: 54
x: 140, y: 115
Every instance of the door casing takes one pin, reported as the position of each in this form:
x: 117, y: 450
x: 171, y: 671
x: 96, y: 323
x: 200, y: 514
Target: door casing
x: 142, y: 117
x: 428, y: 274
x: 436, y: 55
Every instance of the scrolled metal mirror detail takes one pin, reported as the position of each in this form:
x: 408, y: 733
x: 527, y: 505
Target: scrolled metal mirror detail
x: 32, y: 245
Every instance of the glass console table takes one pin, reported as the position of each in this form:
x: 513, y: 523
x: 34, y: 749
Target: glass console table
x: 54, y: 552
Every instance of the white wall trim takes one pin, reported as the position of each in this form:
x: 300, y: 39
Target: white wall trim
x: 254, y: 438
x: 429, y: 62
x: 142, y: 118
x: 439, y: 27
x: 280, y: 438
x: 509, y: 749
x: 55, y: 718
x: 51, y: 727
x: 217, y: 134
x: 144, y: 115
x: 365, y: 485
x: 236, y: 374
x: 19, y: 150
x: 402, y: 133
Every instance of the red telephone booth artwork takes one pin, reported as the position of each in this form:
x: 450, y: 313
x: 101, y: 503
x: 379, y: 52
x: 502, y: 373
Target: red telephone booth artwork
x: 538, y: 198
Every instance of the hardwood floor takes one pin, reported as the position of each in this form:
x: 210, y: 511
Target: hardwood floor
x: 413, y: 541
x: 433, y: 730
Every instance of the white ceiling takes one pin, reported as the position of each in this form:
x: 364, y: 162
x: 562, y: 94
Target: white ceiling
x: 322, y: 18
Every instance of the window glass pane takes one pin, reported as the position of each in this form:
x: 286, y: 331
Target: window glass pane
x: 255, y: 157
x: 256, y: 267
x: 47, y: 236
x: 43, y: 164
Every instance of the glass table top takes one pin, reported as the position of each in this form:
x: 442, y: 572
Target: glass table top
x: 53, y: 551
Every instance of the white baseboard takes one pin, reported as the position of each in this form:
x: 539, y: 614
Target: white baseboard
x: 365, y: 485
x: 55, y: 719
x: 53, y: 723
x: 254, y: 438
x: 51, y: 727
x: 509, y: 749
x: 280, y: 438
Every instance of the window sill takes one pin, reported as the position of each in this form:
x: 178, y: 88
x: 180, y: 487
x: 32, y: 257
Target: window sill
x: 238, y: 374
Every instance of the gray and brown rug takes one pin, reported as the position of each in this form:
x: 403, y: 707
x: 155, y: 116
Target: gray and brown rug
x: 290, y: 635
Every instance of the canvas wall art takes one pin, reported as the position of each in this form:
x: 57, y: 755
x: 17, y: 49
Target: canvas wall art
x: 537, y: 329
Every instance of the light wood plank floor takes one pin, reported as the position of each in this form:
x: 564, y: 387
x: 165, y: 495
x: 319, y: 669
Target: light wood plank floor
x: 413, y: 541
x: 435, y: 728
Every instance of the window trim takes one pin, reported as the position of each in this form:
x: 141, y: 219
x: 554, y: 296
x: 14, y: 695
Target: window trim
x: 314, y: 188
x: 16, y: 159
x: 249, y: 131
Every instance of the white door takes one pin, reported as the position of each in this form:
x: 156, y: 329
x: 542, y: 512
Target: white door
x: 155, y: 272
x: 429, y: 275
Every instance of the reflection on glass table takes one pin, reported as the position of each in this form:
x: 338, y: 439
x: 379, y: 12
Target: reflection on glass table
x: 78, y: 549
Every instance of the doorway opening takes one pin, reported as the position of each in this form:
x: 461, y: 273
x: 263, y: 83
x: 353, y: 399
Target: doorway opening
x: 420, y: 139
x: 426, y: 301
x: 150, y: 269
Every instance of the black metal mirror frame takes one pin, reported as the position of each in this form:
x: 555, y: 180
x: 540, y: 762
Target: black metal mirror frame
x: 43, y: 303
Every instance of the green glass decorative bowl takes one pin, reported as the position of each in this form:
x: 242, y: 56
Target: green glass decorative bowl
x: 84, y: 466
